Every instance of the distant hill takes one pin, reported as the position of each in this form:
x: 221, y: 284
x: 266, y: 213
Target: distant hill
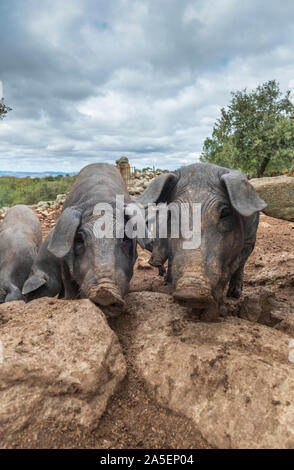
x: 41, y: 174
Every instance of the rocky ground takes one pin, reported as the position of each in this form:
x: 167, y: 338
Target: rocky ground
x: 155, y: 377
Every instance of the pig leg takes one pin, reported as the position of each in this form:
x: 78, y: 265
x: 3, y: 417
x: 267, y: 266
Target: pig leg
x: 236, y: 282
x: 159, y: 255
x: 70, y: 289
x: 161, y: 271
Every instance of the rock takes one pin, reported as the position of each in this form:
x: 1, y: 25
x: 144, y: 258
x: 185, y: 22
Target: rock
x: 139, y: 189
x: 278, y: 193
x: 287, y: 325
x: 60, y: 361
x: 43, y: 204
x: 277, y: 270
x: 60, y: 198
x: 142, y: 181
x: 259, y: 306
x: 45, y: 213
x: 232, y: 378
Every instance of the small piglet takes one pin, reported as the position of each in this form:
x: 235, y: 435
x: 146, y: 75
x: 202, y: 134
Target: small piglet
x: 20, y: 239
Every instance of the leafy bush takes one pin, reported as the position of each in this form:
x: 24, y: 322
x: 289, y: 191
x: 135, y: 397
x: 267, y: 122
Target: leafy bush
x: 32, y: 190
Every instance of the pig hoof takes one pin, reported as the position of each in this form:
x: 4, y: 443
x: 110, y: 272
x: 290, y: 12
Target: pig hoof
x: 156, y: 264
x: 161, y: 271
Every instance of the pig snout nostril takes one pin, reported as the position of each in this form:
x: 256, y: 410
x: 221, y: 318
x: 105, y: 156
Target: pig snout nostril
x: 114, y: 305
x: 191, y: 298
x: 111, y: 310
x: 106, y: 296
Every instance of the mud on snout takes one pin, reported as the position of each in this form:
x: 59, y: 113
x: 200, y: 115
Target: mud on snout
x: 193, y: 291
x: 106, y: 295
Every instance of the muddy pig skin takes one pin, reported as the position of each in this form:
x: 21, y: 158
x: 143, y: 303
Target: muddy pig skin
x: 20, y: 239
x: 96, y: 268
x: 229, y: 220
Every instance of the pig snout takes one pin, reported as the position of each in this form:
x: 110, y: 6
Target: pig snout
x: 193, y: 285
x: 194, y: 292
x: 106, y: 295
x: 193, y: 289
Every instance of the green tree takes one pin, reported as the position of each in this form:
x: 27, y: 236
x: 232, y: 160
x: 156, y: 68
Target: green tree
x: 254, y: 133
x: 3, y: 109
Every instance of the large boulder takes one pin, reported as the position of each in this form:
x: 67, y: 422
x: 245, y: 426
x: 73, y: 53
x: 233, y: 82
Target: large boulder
x: 278, y: 193
x: 59, y: 361
x: 233, y: 378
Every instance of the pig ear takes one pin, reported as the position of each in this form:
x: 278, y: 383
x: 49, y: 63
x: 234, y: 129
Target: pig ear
x: 64, y: 232
x: 242, y: 194
x: 34, y: 282
x: 145, y: 241
x: 158, y: 190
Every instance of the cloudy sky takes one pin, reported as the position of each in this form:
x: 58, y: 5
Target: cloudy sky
x: 92, y: 80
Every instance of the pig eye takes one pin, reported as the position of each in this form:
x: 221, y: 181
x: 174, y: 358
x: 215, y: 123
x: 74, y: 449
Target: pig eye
x: 225, y: 212
x: 79, y: 243
x: 79, y: 238
x: 225, y: 220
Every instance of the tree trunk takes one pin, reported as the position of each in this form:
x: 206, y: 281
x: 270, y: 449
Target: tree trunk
x: 263, y: 166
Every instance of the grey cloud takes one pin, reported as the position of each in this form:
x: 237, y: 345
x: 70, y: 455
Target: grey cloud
x: 89, y: 81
